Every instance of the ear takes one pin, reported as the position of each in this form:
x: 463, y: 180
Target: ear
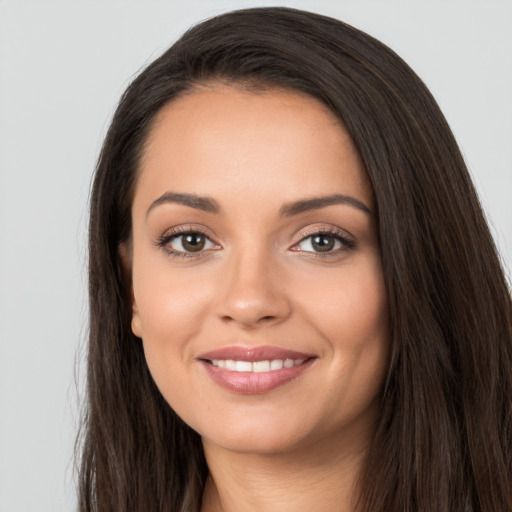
x: 125, y: 255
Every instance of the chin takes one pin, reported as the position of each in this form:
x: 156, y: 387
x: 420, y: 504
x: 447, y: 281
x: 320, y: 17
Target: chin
x: 254, y: 443
x: 255, y: 437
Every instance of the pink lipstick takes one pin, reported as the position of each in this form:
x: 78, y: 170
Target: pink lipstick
x: 254, y: 370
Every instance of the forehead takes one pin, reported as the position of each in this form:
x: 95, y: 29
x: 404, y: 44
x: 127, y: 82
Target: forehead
x: 222, y: 137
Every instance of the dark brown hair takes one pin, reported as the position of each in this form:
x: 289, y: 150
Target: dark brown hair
x: 444, y: 439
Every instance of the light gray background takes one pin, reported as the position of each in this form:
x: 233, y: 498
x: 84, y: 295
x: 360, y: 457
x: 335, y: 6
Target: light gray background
x: 63, y: 66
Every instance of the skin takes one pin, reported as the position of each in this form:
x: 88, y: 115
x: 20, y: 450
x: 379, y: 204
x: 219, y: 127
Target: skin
x: 260, y: 281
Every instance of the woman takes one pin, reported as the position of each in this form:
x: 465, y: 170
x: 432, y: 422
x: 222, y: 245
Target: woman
x: 295, y: 300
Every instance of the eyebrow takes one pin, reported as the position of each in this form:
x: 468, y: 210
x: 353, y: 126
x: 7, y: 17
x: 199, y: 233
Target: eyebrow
x: 206, y: 204
x: 316, y: 203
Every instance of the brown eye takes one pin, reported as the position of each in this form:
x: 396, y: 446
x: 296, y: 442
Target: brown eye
x: 189, y: 242
x: 193, y: 242
x: 323, y: 243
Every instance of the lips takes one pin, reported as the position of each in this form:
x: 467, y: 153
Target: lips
x: 254, y: 370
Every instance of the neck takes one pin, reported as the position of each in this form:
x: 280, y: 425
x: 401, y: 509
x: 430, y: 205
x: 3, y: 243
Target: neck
x: 310, y: 479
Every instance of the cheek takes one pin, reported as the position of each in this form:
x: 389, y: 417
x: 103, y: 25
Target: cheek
x: 169, y: 308
x: 351, y: 307
x: 350, y: 313
x: 169, y: 311
x: 169, y: 303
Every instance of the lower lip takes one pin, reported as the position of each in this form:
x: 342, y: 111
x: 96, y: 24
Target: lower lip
x: 252, y: 383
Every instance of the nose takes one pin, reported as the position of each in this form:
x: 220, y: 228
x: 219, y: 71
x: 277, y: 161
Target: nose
x: 253, y: 292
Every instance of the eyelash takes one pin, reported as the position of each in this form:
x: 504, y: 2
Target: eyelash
x: 346, y: 241
x: 176, y: 233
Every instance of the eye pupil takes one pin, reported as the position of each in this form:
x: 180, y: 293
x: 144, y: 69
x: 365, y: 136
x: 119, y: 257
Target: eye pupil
x: 322, y: 243
x: 193, y: 242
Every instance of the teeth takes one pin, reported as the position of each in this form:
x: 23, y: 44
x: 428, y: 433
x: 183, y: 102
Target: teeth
x: 261, y: 366
x: 276, y: 364
x: 256, y: 366
x: 243, y: 366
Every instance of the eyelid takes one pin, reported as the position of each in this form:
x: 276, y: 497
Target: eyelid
x: 348, y: 241
x: 181, y: 230
x: 187, y: 228
x: 319, y: 229
x: 345, y: 237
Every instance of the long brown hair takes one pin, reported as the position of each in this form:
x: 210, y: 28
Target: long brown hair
x: 444, y: 439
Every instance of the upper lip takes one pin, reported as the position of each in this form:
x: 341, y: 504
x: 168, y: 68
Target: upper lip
x: 263, y: 353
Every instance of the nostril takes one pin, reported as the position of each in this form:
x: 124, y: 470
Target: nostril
x: 266, y: 318
x: 248, y: 308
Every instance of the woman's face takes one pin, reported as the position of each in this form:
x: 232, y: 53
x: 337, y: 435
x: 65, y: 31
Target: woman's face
x: 257, y: 281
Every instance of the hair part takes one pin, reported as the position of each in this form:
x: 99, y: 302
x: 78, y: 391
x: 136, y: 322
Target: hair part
x: 444, y: 438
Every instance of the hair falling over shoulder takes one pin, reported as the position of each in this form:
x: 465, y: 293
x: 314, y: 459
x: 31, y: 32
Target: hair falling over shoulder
x: 444, y: 438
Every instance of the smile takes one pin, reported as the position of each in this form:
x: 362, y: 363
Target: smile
x: 256, y: 366
x: 254, y: 370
